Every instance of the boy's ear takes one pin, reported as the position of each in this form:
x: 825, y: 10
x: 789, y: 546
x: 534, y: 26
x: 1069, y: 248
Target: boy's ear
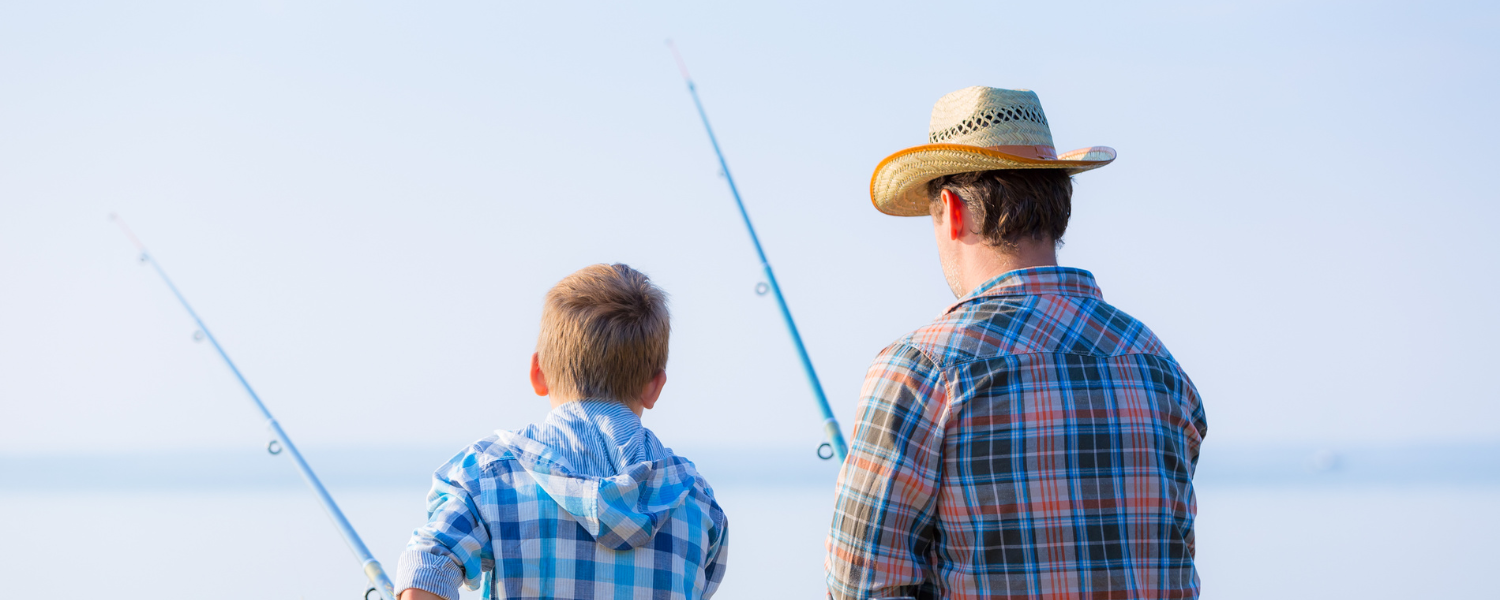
x: 653, y: 390
x: 538, y: 378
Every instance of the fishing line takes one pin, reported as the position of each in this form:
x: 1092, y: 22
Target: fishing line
x: 835, y: 443
x: 378, y: 579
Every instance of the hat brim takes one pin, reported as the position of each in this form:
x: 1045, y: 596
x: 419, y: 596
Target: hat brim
x: 899, y: 186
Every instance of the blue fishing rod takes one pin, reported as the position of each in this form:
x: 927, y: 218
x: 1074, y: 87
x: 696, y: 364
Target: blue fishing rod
x: 830, y: 425
x: 378, y: 579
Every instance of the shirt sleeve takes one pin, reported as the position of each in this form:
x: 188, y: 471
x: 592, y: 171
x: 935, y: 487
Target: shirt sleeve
x: 454, y: 546
x: 885, y: 514
x: 718, y: 555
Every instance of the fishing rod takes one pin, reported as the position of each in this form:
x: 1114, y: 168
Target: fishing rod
x: 830, y: 425
x: 378, y: 579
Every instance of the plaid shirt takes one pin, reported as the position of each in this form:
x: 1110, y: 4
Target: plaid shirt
x: 1033, y: 442
x: 587, y: 504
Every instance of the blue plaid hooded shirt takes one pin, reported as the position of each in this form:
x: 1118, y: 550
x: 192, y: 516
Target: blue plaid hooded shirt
x: 586, y: 504
x: 1034, y: 442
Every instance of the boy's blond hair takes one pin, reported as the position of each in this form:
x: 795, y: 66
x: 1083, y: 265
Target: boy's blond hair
x: 604, y: 333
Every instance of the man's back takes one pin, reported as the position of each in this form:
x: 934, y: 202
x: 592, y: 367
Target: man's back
x: 1032, y: 442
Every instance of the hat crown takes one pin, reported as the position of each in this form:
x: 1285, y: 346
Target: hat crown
x: 986, y: 117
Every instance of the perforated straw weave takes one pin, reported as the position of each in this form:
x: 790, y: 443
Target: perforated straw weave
x: 976, y: 129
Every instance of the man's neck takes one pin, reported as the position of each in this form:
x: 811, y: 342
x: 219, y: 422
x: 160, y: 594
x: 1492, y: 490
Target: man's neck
x: 985, y: 263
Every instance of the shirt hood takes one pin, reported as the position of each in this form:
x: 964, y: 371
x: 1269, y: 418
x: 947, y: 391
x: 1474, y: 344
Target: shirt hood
x: 600, y: 465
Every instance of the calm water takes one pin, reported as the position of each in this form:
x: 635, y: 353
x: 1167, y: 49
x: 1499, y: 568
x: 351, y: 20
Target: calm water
x: 1257, y: 539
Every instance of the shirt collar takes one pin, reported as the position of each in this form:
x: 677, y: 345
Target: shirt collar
x: 615, y: 420
x: 1037, y: 281
x: 599, y: 425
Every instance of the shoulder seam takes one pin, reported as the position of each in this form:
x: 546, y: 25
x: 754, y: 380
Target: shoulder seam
x: 942, y: 375
x: 1166, y: 357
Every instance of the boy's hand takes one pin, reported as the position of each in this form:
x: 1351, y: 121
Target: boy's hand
x: 416, y: 594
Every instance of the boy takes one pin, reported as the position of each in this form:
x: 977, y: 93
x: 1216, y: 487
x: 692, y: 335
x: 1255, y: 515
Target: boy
x: 588, y: 503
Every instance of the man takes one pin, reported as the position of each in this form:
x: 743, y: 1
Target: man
x: 1033, y: 441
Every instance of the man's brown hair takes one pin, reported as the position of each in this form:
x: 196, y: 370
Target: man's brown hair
x: 1009, y: 206
x: 604, y: 333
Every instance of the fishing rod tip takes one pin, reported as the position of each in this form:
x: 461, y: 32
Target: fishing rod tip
x: 681, y: 66
x: 115, y: 218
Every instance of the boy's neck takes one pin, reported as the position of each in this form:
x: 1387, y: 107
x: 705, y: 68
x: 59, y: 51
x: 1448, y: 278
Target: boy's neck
x: 634, y: 407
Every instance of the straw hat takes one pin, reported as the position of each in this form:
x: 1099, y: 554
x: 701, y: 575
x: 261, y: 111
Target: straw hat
x: 975, y: 129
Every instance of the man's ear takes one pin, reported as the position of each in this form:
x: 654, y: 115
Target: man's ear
x: 953, y: 214
x: 653, y: 390
x: 538, y: 378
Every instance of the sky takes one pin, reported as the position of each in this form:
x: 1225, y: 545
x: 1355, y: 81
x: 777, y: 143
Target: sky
x: 366, y: 201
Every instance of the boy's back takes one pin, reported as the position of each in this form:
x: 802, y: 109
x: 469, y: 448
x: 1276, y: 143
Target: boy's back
x: 588, y: 503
